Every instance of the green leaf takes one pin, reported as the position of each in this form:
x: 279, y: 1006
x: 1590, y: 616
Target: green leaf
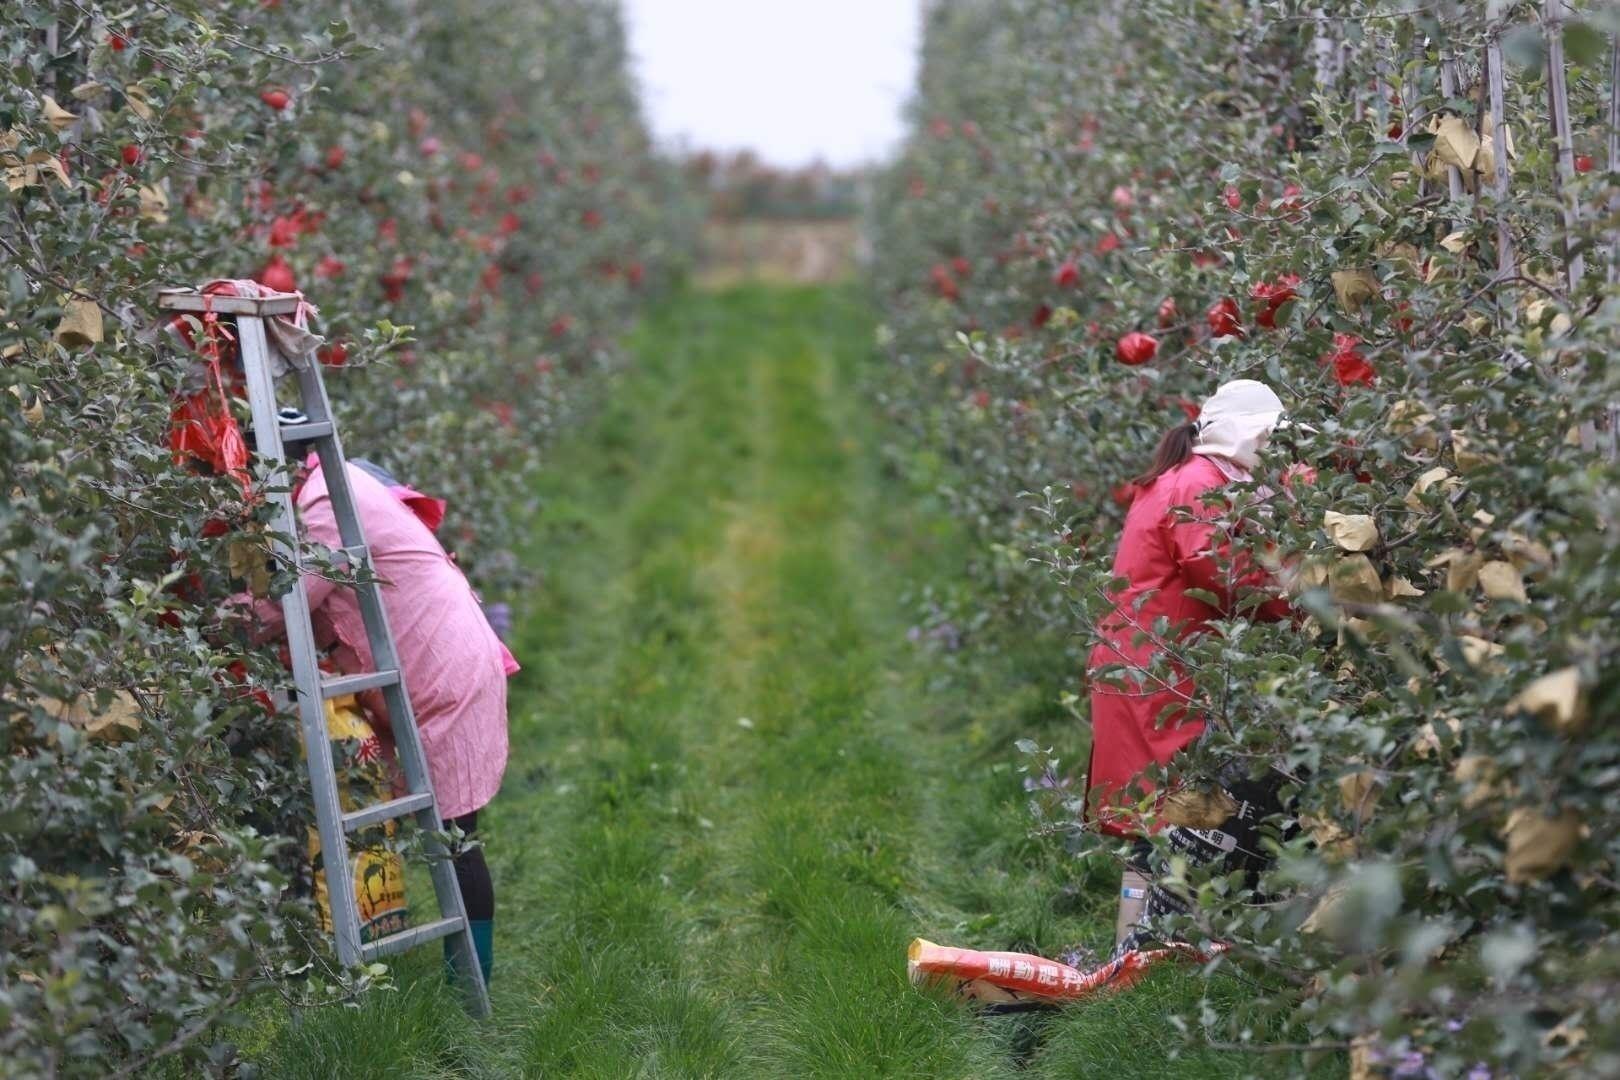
x: 1584, y: 43
x: 1524, y: 47
x: 1505, y: 952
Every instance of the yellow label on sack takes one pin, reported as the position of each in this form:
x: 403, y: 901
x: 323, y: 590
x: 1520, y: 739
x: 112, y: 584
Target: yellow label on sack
x: 377, y: 874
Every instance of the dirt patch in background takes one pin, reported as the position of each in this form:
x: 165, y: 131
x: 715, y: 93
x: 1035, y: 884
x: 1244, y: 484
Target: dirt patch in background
x: 809, y: 252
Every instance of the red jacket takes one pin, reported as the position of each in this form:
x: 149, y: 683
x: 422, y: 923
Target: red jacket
x: 1142, y: 719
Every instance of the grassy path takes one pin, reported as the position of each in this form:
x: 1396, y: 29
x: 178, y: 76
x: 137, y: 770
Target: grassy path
x: 736, y: 791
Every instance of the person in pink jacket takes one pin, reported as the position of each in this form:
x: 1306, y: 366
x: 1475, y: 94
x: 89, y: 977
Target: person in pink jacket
x: 1177, y: 561
x: 455, y: 667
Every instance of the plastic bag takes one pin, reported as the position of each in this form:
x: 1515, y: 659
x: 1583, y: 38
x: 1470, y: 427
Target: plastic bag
x: 1009, y: 978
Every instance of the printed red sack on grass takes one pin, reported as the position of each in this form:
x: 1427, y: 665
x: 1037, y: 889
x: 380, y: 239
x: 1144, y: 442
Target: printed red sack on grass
x: 1009, y: 977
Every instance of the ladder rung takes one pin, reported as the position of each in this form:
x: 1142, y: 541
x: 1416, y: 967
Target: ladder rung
x: 387, y: 811
x: 312, y: 429
x: 409, y: 939
x: 354, y: 684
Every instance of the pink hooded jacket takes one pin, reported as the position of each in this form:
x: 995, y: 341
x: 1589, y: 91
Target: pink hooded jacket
x: 455, y: 667
x: 1172, y: 544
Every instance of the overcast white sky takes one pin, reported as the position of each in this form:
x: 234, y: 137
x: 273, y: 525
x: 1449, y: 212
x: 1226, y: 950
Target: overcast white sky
x: 793, y: 79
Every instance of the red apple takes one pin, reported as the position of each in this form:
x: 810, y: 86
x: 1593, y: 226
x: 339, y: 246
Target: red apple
x: 277, y: 275
x: 284, y: 232
x: 329, y: 267
x: 1583, y: 163
x: 275, y: 97
x: 1067, y: 276
x: 961, y: 267
x: 393, y: 281
x: 1350, y: 368
x: 1167, y: 312
x: 1298, y: 473
x: 333, y: 355
x: 132, y: 154
x: 1271, y: 296
x: 1136, y: 348
x: 1222, y: 317
x: 335, y: 157
x: 1232, y: 197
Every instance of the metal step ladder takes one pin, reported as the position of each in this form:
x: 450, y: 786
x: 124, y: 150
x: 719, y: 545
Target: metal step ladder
x: 316, y: 429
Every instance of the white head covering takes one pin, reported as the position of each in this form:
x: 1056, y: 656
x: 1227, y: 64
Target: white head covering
x: 1237, y: 420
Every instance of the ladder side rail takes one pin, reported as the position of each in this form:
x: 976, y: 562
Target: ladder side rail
x: 301, y: 646
x: 373, y: 613
x: 401, y: 716
x: 350, y: 528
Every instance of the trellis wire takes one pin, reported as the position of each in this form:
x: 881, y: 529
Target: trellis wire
x: 1409, y: 97
x: 1614, y: 264
x: 1499, y: 188
x: 1553, y: 13
x: 1448, y: 87
x: 1614, y: 156
x: 1323, y: 48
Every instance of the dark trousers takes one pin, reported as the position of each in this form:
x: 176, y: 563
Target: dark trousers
x: 1235, y: 844
x: 472, y: 872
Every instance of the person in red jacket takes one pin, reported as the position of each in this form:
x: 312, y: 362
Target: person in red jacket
x: 1180, y: 571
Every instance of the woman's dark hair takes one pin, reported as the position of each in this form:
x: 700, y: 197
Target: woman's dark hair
x: 1175, y: 448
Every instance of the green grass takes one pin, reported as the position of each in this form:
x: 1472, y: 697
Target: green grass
x: 736, y: 790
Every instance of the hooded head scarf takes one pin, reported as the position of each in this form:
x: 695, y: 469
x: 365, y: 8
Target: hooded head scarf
x: 1237, y: 420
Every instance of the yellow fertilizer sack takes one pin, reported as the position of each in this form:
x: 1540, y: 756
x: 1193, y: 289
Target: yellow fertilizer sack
x: 378, y: 872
